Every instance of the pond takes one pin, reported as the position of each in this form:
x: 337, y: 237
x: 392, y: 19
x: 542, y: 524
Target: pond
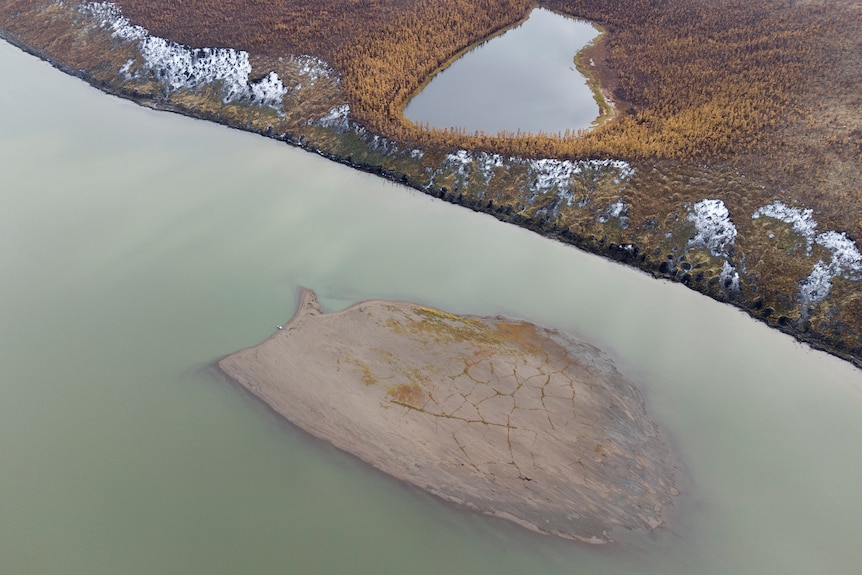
x: 522, y: 80
x: 138, y: 247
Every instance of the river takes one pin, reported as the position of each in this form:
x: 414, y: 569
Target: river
x: 137, y: 247
x: 522, y: 80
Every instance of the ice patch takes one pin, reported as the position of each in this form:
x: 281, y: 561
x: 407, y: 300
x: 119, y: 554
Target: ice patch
x: 714, y: 228
x: 180, y: 67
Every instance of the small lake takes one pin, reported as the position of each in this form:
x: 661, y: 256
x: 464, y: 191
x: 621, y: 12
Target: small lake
x: 138, y: 247
x: 524, y: 79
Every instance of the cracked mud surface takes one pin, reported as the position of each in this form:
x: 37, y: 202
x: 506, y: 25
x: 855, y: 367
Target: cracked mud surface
x: 504, y: 417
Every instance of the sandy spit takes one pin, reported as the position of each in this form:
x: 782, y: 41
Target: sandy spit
x: 503, y: 417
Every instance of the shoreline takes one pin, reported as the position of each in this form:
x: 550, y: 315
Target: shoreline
x: 628, y: 253
x: 400, y: 107
x: 607, y: 108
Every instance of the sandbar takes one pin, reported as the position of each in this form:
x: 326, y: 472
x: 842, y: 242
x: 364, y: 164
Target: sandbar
x: 504, y: 417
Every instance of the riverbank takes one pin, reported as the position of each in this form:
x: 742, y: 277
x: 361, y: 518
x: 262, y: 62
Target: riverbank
x: 499, y: 416
x: 707, y: 227
x: 598, y: 79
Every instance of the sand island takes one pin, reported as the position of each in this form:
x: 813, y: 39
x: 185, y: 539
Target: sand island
x: 504, y: 417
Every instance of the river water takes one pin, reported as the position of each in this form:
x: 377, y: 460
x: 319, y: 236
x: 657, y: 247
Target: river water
x: 525, y: 79
x: 138, y: 247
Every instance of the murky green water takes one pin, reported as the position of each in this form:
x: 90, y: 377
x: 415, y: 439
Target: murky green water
x: 523, y: 80
x: 137, y: 247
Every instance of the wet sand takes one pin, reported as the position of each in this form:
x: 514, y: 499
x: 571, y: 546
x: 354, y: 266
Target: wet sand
x: 504, y: 417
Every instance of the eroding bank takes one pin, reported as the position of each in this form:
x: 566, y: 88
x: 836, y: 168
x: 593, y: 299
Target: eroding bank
x: 643, y: 213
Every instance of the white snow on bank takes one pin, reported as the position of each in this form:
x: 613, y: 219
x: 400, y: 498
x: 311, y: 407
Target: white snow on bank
x: 462, y: 160
x: 548, y: 174
x: 465, y: 162
x: 715, y: 231
x: 314, y: 69
x: 729, y: 277
x: 713, y: 226
x: 180, y: 67
x: 624, y: 170
x: 803, y: 221
x: 816, y: 286
x: 544, y: 176
x: 110, y: 16
x: 337, y: 117
x: 618, y: 210
x: 846, y: 259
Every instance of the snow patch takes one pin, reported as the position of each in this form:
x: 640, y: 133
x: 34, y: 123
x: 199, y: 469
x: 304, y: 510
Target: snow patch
x: 482, y: 163
x: 624, y: 170
x: 125, y: 69
x: 714, y: 228
x: 462, y: 159
x: 846, y: 259
x: 729, y: 277
x: 803, y: 221
x: 488, y: 162
x: 179, y: 67
x: 337, y: 117
x: 548, y: 174
x: 268, y: 91
x: 618, y: 210
x: 110, y: 16
x: 314, y: 69
x: 816, y: 286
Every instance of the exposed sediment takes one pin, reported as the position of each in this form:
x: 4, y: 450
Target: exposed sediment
x: 501, y: 416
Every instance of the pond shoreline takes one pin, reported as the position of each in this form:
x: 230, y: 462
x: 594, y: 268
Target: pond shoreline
x: 584, y: 62
x: 547, y: 70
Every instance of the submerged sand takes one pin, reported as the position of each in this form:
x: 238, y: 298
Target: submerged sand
x: 501, y: 416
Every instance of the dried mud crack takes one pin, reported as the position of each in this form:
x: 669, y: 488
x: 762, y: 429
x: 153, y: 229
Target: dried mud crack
x: 503, y: 417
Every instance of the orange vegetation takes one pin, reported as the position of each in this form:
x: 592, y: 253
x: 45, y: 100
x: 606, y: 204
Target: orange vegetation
x: 701, y: 78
